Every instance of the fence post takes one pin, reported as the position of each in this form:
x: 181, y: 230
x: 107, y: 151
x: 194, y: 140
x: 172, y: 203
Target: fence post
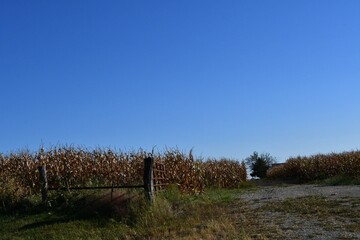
x: 43, y: 183
x: 148, y: 178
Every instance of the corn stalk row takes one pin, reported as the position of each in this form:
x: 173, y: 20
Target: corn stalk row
x: 70, y: 167
x: 317, y: 167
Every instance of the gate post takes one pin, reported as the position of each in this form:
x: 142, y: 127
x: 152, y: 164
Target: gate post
x: 43, y: 183
x: 148, y: 178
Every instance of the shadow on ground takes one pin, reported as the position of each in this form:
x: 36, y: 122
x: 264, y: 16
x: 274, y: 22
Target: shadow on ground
x: 101, y: 207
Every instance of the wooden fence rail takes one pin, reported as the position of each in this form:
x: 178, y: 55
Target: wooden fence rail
x: 154, y: 180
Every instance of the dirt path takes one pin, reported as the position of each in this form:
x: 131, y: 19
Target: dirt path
x: 301, y: 212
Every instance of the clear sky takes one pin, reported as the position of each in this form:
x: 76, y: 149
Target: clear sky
x: 225, y: 78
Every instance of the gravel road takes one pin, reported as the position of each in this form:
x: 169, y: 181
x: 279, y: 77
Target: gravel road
x: 275, y: 193
x: 292, y: 225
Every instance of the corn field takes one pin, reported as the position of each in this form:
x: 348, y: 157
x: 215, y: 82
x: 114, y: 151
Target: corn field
x: 317, y: 167
x: 70, y: 167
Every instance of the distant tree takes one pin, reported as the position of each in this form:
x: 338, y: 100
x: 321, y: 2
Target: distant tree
x: 259, y: 164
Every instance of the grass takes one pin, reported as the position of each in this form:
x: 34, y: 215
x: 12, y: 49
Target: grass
x: 339, y: 180
x: 50, y: 226
x: 127, y: 216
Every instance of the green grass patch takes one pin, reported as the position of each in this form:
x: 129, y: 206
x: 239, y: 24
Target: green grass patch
x: 339, y: 180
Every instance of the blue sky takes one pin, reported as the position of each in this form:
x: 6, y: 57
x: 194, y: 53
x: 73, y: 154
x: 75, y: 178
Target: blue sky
x: 225, y: 78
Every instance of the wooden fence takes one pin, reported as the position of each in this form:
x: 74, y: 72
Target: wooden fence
x: 154, y: 180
